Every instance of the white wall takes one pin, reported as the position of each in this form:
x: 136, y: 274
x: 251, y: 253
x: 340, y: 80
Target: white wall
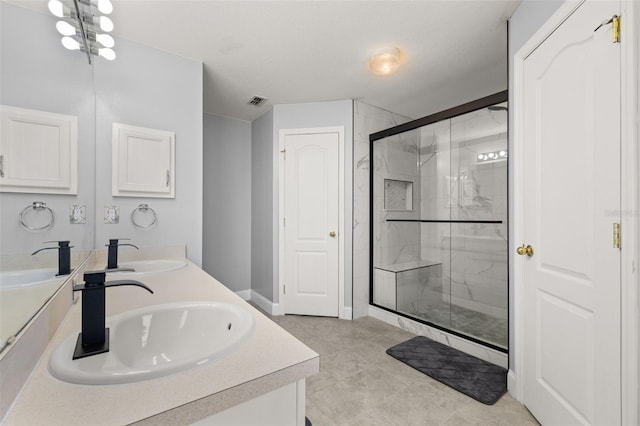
x: 262, y: 203
x: 316, y: 114
x: 38, y: 73
x: 151, y: 88
x: 526, y: 20
x: 227, y: 201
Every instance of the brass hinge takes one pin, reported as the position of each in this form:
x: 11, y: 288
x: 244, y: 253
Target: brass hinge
x: 284, y: 152
x: 616, y: 235
x: 616, y: 28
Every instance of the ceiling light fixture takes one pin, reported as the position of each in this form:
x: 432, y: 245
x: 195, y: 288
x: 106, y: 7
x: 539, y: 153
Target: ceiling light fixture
x: 385, y: 61
x: 82, y: 26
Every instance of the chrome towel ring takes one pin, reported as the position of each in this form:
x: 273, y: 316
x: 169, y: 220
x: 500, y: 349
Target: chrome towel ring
x: 143, y: 210
x: 38, y: 206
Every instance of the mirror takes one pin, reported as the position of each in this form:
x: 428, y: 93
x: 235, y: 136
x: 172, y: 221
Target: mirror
x: 37, y: 74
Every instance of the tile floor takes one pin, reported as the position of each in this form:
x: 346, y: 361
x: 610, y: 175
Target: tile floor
x: 359, y: 384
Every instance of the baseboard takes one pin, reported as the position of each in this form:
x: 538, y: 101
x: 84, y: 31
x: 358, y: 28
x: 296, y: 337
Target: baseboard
x: 244, y: 294
x: 265, y: 304
x: 348, y: 313
x: 456, y: 342
x: 512, y: 385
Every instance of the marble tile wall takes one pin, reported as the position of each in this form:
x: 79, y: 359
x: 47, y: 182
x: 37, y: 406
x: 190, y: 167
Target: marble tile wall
x: 367, y: 119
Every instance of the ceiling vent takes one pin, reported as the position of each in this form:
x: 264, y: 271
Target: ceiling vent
x: 257, y: 101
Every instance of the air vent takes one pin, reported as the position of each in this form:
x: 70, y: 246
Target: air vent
x: 257, y: 101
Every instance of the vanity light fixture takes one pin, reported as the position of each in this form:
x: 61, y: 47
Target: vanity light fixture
x: 83, y: 26
x: 385, y: 61
x: 492, y: 156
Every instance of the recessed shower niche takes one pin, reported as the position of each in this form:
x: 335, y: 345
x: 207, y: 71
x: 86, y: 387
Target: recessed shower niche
x: 439, y: 220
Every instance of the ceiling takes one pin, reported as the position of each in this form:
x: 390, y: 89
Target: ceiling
x: 308, y: 51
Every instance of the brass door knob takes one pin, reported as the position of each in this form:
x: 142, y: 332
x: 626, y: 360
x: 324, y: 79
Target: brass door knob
x: 522, y: 250
x: 332, y: 233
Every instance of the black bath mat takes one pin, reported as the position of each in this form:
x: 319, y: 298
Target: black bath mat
x: 481, y: 380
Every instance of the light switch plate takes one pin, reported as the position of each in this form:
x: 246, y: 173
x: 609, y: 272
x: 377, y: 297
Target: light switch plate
x: 111, y: 214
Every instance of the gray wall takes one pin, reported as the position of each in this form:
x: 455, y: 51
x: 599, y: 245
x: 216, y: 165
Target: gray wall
x: 227, y: 201
x: 527, y: 19
x: 38, y: 73
x: 317, y: 114
x: 150, y: 88
x: 262, y: 203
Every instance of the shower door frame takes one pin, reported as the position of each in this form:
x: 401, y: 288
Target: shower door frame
x: 468, y: 107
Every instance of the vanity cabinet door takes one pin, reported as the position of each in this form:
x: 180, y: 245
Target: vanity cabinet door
x: 143, y: 162
x: 38, y: 152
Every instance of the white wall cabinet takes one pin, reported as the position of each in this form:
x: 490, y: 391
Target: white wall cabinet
x: 143, y: 163
x: 38, y: 152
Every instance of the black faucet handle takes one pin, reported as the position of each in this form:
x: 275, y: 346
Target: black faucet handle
x: 60, y: 243
x: 95, y: 278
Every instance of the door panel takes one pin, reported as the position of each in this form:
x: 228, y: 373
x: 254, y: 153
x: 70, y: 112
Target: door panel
x: 571, y: 176
x: 311, y: 214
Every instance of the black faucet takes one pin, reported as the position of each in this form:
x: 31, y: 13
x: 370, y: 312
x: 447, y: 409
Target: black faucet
x: 64, y: 255
x: 94, y: 338
x: 112, y: 258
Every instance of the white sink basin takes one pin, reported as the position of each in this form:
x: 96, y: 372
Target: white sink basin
x: 25, y: 278
x: 143, y: 267
x: 156, y: 341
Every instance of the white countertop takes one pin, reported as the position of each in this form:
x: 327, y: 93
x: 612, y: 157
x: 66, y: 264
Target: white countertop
x: 270, y: 359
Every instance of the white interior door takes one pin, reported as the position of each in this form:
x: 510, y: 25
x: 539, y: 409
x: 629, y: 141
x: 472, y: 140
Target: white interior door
x: 571, y: 192
x: 311, y: 223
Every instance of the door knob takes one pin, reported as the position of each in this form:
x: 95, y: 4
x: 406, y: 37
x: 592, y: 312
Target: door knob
x: 332, y: 233
x: 522, y: 250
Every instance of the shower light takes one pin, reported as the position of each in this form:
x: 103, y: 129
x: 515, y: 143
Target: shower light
x: 385, y: 61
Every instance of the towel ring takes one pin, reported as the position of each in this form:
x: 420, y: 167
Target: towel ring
x: 37, y: 205
x: 144, y: 208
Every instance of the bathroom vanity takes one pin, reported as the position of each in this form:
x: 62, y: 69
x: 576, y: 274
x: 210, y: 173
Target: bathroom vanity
x: 261, y: 382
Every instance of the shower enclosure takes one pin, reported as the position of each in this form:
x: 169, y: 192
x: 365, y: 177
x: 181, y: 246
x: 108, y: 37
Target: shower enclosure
x: 439, y: 220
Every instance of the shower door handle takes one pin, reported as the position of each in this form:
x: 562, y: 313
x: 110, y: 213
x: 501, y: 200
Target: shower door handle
x: 522, y: 250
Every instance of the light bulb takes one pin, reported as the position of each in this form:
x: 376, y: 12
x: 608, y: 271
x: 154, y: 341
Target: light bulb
x: 105, y: 24
x: 106, y: 53
x: 56, y: 7
x: 492, y: 155
x: 70, y: 43
x: 480, y: 157
x: 105, y: 6
x: 503, y: 153
x: 65, y: 28
x: 106, y: 40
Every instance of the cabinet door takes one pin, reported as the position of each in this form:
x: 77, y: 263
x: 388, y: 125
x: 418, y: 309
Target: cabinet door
x: 143, y: 162
x: 38, y: 152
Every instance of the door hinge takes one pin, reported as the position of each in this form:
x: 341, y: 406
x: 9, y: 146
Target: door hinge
x: 616, y: 235
x: 284, y: 221
x: 284, y: 289
x: 616, y: 28
x: 284, y: 153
